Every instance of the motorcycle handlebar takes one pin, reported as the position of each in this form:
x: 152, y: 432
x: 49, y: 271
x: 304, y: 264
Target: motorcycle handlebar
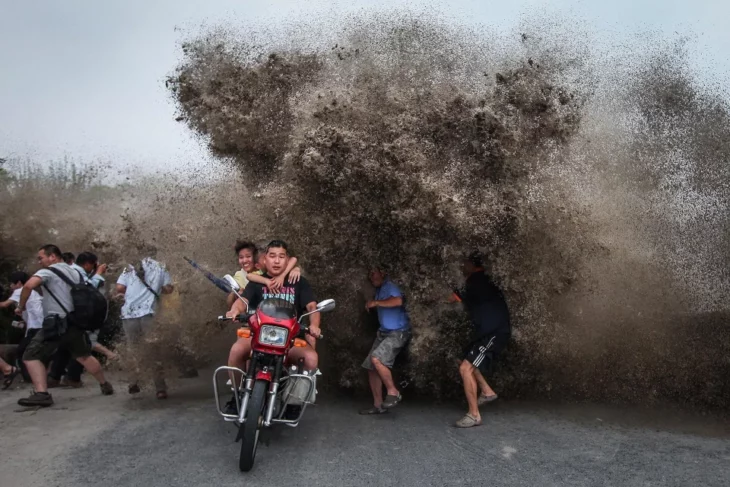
x: 244, y: 318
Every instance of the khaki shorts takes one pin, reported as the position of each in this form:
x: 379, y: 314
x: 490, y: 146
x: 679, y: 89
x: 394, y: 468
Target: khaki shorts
x: 386, y: 347
x: 74, y: 340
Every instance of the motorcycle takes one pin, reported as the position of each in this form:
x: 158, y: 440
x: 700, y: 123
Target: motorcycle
x: 271, y: 391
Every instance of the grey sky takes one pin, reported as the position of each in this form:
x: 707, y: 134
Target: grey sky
x: 85, y: 78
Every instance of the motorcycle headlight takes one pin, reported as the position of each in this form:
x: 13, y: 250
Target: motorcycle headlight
x: 273, y: 335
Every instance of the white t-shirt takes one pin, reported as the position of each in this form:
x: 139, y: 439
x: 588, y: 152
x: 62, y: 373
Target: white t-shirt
x: 59, y: 288
x: 33, y: 314
x: 138, y: 300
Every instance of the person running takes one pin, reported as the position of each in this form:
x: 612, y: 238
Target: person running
x: 391, y: 339
x: 489, y: 315
x: 56, y: 331
x: 66, y: 372
x: 33, y: 319
x: 141, y: 288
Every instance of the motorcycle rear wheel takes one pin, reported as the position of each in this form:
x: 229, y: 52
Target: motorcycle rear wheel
x: 252, y: 426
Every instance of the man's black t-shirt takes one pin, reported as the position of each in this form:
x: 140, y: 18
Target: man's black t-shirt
x: 485, y: 305
x: 299, y: 294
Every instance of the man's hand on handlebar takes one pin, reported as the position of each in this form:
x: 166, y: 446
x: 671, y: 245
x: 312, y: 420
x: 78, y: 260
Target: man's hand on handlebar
x: 314, y: 331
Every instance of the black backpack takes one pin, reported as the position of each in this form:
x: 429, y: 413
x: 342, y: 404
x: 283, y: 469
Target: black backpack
x: 90, y: 305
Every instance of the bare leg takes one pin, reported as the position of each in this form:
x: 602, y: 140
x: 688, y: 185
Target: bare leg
x: 311, y: 359
x: 37, y: 372
x: 5, y: 367
x: 466, y: 369
x: 385, y: 376
x: 240, y: 351
x: 486, y: 390
x: 376, y: 387
x: 93, y: 367
x: 104, y: 351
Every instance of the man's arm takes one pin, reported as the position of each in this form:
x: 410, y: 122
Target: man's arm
x: 119, y: 291
x: 314, y: 320
x: 167, y: 289
x: 6, y: 304
x: 237, y: 308
x: 391, y: 302
x: 33, y: 282
x: 96, y: 280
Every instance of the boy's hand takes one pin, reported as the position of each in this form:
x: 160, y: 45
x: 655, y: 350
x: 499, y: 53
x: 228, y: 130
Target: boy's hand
x: 101, y: 270
x: 275, y: 283
x: 294, y: 275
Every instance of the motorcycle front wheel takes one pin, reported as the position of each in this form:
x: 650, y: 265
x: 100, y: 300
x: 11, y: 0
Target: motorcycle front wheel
x: 252, y: 426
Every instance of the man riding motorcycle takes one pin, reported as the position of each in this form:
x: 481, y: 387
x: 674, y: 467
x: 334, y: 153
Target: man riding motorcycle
x: 299, y: 294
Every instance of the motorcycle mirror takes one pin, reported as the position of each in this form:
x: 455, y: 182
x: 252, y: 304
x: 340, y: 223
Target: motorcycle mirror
x: 231, y: 282
x: 326, y: 305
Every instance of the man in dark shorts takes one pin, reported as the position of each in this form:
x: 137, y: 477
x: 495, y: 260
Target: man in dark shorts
x: 392, y: 337
x: 56, y: 331
x: 489, y: 315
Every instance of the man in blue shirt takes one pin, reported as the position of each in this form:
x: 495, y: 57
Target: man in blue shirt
x: 392, y: 337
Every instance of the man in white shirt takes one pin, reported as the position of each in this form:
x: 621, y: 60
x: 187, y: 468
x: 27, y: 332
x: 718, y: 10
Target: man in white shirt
x: 32, y: 317
x: 56, y: 331
x: 141, y: 288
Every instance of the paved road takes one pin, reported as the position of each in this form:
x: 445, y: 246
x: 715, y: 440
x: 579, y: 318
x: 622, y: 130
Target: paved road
x: 87, y: 439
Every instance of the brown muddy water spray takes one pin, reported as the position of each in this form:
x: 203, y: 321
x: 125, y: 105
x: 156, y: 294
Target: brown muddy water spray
x: 595, y: 182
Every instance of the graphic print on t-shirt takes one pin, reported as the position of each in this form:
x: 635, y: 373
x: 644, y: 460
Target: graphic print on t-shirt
x: 286, y: 293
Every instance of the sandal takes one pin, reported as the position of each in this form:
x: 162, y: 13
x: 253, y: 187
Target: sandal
x: 486, y: 399
x: 8, y: 380
x: 391, y: 401
x: 468, y: 421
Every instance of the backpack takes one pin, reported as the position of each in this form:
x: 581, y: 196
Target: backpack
x: 90, y: 305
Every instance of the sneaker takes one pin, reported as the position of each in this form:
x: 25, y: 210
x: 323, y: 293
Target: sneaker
x: 134, y: 389
x: 42, y: 399
x: 65, y: 382
x: 106, y: 389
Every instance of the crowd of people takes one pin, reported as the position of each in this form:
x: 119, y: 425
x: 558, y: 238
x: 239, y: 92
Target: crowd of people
x: 56, y: 348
